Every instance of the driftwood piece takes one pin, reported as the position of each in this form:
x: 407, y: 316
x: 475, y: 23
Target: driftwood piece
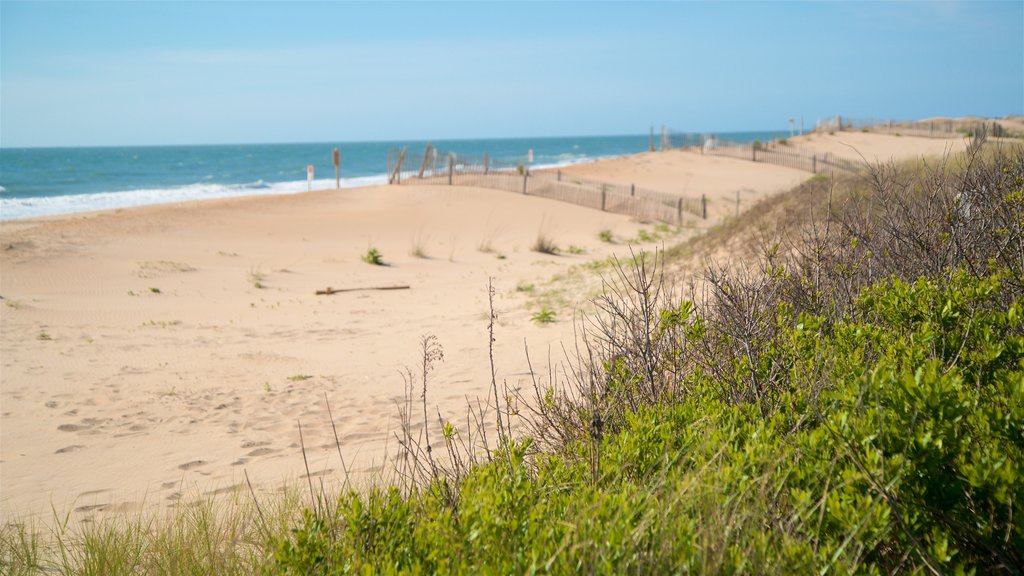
x: 328, y: 291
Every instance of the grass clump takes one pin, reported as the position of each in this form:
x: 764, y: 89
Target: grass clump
x: 374, y: 257
x: 256, y: 278
x: 544, y: 316
x: 545, y: 245
x: 606, y: 236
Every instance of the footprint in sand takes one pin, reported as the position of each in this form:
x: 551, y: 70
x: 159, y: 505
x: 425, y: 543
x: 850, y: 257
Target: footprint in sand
x: 71, y: 427
x: 261, y: 452
x: 192, y: 464
x: 255, y: 444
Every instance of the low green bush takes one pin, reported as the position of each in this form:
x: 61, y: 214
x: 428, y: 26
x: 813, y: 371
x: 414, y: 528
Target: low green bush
x: 905, y: 457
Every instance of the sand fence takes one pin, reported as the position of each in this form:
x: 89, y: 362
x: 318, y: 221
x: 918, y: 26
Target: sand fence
x: 432, y: 166
x: 933, y: 128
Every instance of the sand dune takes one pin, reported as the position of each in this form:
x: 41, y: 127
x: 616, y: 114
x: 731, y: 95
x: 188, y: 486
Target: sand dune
x: 161, y: 351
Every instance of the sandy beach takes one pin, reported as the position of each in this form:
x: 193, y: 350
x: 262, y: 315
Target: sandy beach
x: 153, y: 354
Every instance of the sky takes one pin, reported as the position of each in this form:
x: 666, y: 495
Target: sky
x: 151, y: 73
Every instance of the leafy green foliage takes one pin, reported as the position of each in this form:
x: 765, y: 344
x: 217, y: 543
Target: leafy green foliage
x: 374, y: 257
x: 909, y: 458
x: 544, y: 316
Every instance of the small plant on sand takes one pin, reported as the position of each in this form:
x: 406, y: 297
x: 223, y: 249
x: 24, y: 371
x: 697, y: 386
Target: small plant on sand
x: 299, y: 377
x: 524, y: 287
x: 44, y: 336
x: 154, y: 290
x: 416, y: 250
x: 643, y: 236
x: 544, y: 316
x: 256, y: 278
x: 606, y: 236
x: 374, y: 257
x: 573, y: 249
x: 545, y: 245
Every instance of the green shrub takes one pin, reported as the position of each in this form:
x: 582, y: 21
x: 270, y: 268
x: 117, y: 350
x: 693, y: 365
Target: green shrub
x: 908, y: 458
x: 374, y: 257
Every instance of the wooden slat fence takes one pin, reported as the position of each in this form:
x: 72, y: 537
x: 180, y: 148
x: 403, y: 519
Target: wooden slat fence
x: 938, y: 128
x: 782, y: 155
x: 434, y: 167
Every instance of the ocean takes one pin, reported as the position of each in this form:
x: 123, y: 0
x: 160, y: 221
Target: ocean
x: 50, y: 181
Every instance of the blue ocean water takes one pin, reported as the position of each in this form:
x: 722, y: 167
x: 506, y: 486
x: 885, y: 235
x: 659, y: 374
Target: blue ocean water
x: 48, y: 181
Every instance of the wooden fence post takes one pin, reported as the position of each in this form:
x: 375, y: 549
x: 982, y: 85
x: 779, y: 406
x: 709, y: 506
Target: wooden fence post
x: 559, y: 175
x: 814, y: 164
x: 526, y: 174
x: 426, y: 158
x: 336, y: 158
x: 396, y: 175
x: 704, y: 207
x: 652, y: 138
x: 487, y: 164
x: 451, y: 168
x: 679, y: 211
x: 604, y: 197
x: 737, y: 202
x: 632, y: 189
x: 753, y: 152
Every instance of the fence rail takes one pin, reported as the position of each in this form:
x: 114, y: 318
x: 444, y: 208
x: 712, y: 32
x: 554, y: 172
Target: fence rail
x: 431, y: 166
x: 936, y: 128
x: 782, y: 155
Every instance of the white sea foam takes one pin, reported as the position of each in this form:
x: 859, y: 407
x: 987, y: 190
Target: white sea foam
x: 18, y: 208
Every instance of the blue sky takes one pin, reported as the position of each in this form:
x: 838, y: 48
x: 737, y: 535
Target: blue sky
x: 122, y: 73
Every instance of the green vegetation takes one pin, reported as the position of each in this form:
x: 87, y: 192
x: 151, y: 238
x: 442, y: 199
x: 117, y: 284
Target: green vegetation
x: 895, y: 459
x: 606, y: 236
x: 374, y: 257
x: 544, y: 316
x: 154, y: 290
x: 524, y: 287
x: 660, y: 232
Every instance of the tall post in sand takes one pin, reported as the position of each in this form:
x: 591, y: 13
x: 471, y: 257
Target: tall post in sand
x: 652, y: 138
x: 336, y: 156
x: 426, y: 159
